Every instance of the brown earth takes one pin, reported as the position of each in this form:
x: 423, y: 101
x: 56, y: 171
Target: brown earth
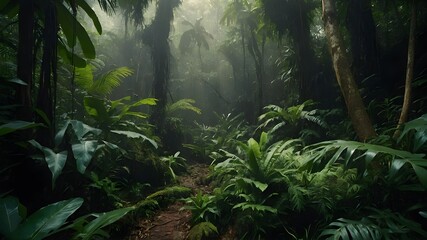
x: 172, y: 223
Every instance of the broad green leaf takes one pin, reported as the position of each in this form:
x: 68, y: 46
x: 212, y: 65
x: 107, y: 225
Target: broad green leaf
x: 55, y: 161
x: 261, y: 186
x: 9, y: 215
x: 66, y: 21
x: 83, y: 153
x: 70, y: 57
x: 102, y: 220
x: 17, y: 125
x: 17, y: 81
x: 131, y: 134
x: 80, y: 130
x: 47, y: 219
x: 83, y: 4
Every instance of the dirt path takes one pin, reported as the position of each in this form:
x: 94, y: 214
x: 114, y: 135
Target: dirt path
x: 172, y: 223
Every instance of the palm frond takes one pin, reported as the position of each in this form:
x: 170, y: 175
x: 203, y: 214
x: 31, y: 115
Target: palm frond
x: 381, y: 224
x: 112, y: 79
x: 360, y: 155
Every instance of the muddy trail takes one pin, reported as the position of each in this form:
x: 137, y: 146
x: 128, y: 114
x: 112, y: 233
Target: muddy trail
x: 172, y: 223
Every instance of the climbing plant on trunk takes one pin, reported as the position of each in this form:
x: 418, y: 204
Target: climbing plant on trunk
x: 356, y: 109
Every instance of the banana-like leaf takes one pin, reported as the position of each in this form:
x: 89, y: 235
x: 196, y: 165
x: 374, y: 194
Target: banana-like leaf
x: 17, y: 125
x: 83, y: 153
x: 102, y: 220
x: 131, y: 134
x: 10, y: 216
x: 67, y: 23
x: 55, y: 161
x: 47, y: 219
x: 83, y: 4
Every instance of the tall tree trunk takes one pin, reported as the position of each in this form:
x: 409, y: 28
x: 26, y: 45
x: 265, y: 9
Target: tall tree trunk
x: 156, y: 36
x: 356, y: 109
x: 46, y: 98
x: 25, y: 58
x: 409, y: 72
x: 258, y: 57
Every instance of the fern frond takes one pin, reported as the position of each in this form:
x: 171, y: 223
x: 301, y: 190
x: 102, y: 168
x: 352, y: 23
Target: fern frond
x: 112, y: 79
x: 201, y: 230
x: 183, y: 104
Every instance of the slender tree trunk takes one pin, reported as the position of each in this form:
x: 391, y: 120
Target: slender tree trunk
x: 46, y: 98
x: 25, y: 58
x: 409, y: 72
x: 356, y: 109
x: 258, y: 57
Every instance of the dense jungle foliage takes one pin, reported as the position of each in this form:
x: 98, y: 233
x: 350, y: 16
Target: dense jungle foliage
x: 310, y: 115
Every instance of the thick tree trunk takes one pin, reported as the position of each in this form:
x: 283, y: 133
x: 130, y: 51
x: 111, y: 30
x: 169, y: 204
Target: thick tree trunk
x: 409, y: 72
x: 156, y: 36
x: 25, y: 58
x: 356, y: 109
x: 361, y: 26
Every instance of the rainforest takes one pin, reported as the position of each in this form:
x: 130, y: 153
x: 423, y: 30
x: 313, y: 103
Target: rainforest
x: 213, y: 119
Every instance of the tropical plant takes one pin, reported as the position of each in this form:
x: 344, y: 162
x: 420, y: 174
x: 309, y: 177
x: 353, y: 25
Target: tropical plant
x: 83, y: 147
x: 176, y: 164
x: 104, y: 83
x: 381, y: 224
x: 196, y: 35
x: 202, y: 230
x: 109, y: 115
x: 290, y: 120
x: 51, y: 219
x: 203, y: 208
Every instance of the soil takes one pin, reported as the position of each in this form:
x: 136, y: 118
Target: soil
x: 172, y: 223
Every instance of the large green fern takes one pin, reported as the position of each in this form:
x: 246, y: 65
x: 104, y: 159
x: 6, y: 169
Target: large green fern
x: 104, y: 84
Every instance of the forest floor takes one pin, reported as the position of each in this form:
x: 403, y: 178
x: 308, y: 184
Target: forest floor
x: 172, y: 223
